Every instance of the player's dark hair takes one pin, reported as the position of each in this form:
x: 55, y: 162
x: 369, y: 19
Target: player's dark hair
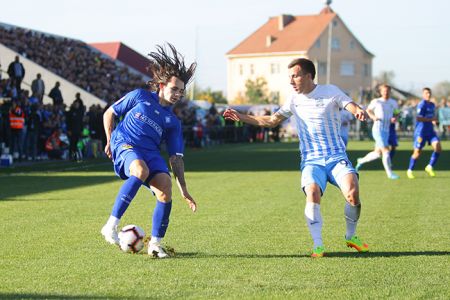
x: 384, y: 85
x: 426, y: 89
x: 165, y: 65
x: 306, y: 65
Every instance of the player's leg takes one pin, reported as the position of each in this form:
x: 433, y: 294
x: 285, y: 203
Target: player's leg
x: 137, y: 172
x: 418, y: 143
x: 436, y: 144
x: 342, y: 174
x: 386, y: 159
x: 375, y: 154
x: 161, y: 185
x: 313, y: 185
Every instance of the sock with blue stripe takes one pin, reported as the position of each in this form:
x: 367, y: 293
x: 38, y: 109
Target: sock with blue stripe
x: 412, y: 163
x: 126, y: 194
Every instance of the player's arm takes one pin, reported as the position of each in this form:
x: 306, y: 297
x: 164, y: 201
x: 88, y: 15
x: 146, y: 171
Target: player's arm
x: 262, y: 121
x: 177, y: 165
x: 108, y: 124
x: 357, y: 111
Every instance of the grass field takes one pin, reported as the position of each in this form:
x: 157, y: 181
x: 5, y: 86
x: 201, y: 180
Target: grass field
x: 248, y: 239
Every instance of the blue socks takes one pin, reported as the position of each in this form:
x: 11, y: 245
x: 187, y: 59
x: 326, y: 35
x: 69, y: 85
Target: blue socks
x: 125, y: 196
x: 434, y: 158
x: 412, y: 163
x: 392, y: 153
x: 161, y: 218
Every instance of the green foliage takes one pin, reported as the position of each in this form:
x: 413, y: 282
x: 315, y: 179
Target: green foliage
x: 248, y: 239
x: 256, y: 91
x: 210, y: 96
x: 385, y: 77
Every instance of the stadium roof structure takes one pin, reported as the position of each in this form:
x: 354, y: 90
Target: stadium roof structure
x: 123, y: 53
x: 288, y: 34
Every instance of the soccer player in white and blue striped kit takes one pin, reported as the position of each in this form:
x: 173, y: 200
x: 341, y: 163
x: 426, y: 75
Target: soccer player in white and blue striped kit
x: 323, y: 157
x: 134, y: 145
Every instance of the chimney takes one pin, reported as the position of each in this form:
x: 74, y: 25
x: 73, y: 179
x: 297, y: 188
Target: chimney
x: 269, y: 40
x: 284, y: 20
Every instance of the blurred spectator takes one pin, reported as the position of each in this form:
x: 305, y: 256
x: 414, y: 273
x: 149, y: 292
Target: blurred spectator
x: 55, y: 94
x: 16, y: 72
x: 75, y: 125
x: 38, y: 88
x: 54, y: 146
x: 33, y: 122
x: 16, y: 123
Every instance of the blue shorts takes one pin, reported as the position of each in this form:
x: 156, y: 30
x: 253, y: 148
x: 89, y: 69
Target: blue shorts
x: 392, y: 141
x: 331, y: 169
x: 124, y: 155
x: 419, y: 141
x: 381, y: 138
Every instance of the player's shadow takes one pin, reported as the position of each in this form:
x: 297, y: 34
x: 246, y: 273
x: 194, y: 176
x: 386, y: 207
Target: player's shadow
x: 50, y: 296
x: 193, y: 255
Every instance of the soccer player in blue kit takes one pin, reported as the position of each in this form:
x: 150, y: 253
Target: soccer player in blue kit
x: 134, y: 145
x: 424, y: 133
x: 316, y: 111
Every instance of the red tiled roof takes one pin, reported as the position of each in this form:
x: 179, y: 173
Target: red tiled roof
x: 298, y: 35
x: 125, y: 54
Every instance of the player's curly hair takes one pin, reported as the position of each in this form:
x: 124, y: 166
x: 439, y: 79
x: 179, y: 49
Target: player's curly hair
x: 164, y: 65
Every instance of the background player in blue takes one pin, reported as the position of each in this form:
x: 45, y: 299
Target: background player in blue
x: 134, y: 145
x: 424, y: 133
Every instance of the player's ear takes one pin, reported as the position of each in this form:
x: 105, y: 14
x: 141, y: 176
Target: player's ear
x: 161, y: 85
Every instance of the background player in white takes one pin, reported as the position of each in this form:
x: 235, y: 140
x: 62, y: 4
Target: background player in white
x: 316, y: 111
x: 381, y: 111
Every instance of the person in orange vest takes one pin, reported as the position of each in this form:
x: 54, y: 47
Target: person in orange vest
x: 16, y: 123
x: 54, y: 146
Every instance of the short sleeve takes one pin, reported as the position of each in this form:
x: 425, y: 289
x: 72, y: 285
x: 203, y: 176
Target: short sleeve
x: 420, y: 106
x: 174, y: 140
x: 341, y: 98
x: 372, y: 104
x: 126, y: 103
x: 285, y: 109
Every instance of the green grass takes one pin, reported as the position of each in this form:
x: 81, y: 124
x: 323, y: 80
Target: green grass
x: 248, y: 239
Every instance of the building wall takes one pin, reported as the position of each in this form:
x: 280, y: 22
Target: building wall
x: 350, y: 53
x: 272, y: 68
x: 357, y: 65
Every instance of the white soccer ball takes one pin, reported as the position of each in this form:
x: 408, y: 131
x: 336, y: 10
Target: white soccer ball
x: 131, y: 238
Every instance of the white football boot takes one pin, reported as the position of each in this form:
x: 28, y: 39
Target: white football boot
x: 110, y: 234
x: 157, y: 251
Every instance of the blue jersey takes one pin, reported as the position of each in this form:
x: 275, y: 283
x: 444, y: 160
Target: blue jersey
x: 146, y: 124
x: 425, y: 109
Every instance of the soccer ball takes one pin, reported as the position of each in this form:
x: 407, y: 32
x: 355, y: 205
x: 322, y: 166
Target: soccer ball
x: 131, y: 238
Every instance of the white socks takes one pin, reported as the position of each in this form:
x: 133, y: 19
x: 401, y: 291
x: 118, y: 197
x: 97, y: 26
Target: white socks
x: 369, y: 157
x: 351, y: 214
x: 112, y: 222
x: 387, y: 163
x: 314, y: 222
x: 155, y: 240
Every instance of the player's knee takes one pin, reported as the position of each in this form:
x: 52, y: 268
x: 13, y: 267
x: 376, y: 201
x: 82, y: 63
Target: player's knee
x: 352, y: 197
x: 163, y: 189
x: 438, y: 148
x: 416, y: 153
x: 313, y: 193
x: 140, y: 171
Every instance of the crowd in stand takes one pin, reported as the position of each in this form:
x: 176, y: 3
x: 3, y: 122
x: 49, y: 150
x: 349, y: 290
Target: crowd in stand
x: 73, y: 60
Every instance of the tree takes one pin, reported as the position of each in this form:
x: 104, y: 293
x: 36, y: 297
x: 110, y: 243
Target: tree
x: 207, y: 94
x: 442, y: 89
x: 256, y: 91
x: 385, y: 77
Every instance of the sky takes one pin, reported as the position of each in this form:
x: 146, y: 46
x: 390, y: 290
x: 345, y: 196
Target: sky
x: 409, y: 37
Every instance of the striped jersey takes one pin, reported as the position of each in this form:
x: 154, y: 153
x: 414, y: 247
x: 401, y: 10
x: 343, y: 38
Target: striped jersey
x: 318, y: 120
x: 384, y: 111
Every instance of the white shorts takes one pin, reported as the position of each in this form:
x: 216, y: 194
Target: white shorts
x: 381, y: 138
x: 331, y: 169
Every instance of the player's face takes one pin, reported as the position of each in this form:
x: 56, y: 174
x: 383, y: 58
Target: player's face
x: 385, y: 92
x: 426, y: 94
x: 172, y: 91
x: 300, y: 82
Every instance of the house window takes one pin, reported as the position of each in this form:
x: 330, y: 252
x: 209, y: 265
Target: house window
x: 322, y: 68
x: 335, y: 23
x: 274, y: 68
x: 252, y: 70
x: 352, y: 44
x: 317, y: 44
x: 347, y: 68
x: 335, y: 44
x: 241, y: 70
x: 366, y: 70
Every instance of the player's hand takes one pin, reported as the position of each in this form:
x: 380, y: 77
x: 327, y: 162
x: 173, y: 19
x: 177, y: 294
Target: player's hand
x: 190, y: 201
x: 108, y: 150
x: 231, y: 114
x: 361, y: 115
